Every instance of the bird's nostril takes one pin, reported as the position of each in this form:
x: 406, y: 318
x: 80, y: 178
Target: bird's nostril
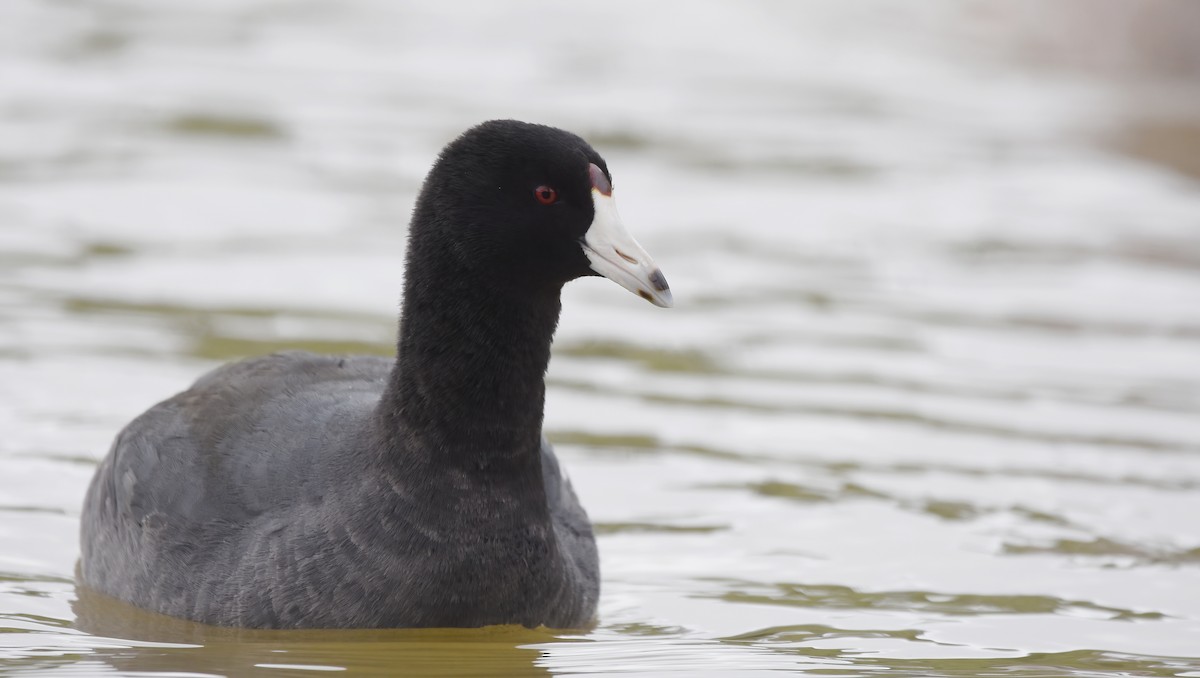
x: 624, y: 256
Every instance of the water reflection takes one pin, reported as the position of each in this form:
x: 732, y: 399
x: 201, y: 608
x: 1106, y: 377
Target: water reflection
x: 165, y: 644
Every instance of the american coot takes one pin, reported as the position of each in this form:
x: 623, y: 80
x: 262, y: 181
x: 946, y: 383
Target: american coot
x: 300, y: 490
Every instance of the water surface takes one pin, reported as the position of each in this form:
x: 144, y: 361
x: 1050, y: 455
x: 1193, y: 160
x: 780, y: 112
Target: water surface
x: 929, y: 402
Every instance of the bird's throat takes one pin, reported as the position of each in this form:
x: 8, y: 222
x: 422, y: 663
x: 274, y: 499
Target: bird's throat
x: 468, y: 387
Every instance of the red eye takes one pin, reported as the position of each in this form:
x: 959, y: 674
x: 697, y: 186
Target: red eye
x: 545, y: 195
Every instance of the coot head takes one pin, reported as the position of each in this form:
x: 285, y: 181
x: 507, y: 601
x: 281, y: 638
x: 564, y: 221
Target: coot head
x: 529, y: 206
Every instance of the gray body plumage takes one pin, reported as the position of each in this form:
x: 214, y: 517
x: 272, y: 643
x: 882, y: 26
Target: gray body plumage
x: 266, y: 495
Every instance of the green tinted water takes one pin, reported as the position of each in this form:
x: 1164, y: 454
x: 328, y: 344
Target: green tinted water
x: 927, y: 404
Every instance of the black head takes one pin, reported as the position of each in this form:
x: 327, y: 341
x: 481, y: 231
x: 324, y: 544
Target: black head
x: 529, y: 206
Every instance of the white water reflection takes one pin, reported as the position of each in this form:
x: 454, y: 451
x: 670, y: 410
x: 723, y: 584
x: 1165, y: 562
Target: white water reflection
x: 927, y: 402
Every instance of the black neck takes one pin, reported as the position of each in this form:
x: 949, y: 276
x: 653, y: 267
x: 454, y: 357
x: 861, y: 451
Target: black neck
x: 468, y: 388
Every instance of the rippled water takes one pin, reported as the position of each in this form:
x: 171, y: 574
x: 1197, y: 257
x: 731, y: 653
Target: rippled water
x: 928, y: 403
